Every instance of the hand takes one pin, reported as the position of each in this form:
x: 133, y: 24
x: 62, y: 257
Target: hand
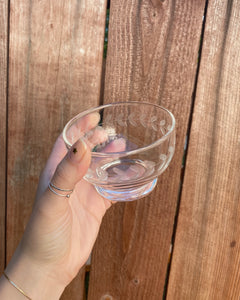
x: 61, y: 231
x: 67, y: 227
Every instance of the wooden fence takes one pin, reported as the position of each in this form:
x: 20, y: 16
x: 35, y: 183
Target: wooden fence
x: 182, y: 54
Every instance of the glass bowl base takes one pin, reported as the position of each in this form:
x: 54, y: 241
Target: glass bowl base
x: 126, y: 193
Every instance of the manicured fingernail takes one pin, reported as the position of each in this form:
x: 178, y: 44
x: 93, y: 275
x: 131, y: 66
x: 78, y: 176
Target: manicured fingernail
x: 78, y: 150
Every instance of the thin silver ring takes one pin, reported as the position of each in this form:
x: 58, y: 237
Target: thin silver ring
x: 52, y: 188
x: 57, y: 188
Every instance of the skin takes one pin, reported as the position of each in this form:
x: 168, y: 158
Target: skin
x: 61, y: 231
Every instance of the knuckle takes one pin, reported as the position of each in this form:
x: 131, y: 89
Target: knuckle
x: 60, y: 172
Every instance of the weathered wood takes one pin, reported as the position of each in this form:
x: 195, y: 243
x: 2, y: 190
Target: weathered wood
x: 152, y: 56
x: 206, y: 252
x: 3, y: 119
x: 56, y: 51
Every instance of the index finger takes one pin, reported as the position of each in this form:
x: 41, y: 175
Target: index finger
x: 79, y: 126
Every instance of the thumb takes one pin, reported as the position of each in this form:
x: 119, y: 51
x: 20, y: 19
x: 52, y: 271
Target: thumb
x: 71, y: 169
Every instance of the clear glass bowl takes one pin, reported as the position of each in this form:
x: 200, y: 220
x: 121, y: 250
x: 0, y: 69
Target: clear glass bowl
x: 131, y: 143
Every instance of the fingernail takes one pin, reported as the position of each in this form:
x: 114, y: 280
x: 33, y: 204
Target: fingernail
x: 78, y: 150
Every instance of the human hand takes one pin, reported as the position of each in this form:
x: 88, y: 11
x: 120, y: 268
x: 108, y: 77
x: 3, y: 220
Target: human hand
x: 61, y: 231
x: 67, y: 227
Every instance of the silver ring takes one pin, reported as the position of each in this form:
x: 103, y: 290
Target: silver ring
x: 52, y: 188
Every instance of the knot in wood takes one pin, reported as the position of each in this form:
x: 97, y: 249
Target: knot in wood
x: 135, y: 281
x: 106, y: 297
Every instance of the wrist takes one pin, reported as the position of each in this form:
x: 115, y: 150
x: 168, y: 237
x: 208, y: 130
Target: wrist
x: 35, y: 280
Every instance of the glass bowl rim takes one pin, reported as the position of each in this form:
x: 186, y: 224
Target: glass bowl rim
x: 121, y: 153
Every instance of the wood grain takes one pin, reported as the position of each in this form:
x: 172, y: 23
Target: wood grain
x: 3, y: 120
x: 152, y: 56
x: 207, y: 248
x: 56, y: 51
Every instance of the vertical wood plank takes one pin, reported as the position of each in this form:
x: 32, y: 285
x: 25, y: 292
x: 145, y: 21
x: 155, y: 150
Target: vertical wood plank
x: 207, y: 248
x: 3, y: 119
x: 56, y: 51
x: 152, y: 56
